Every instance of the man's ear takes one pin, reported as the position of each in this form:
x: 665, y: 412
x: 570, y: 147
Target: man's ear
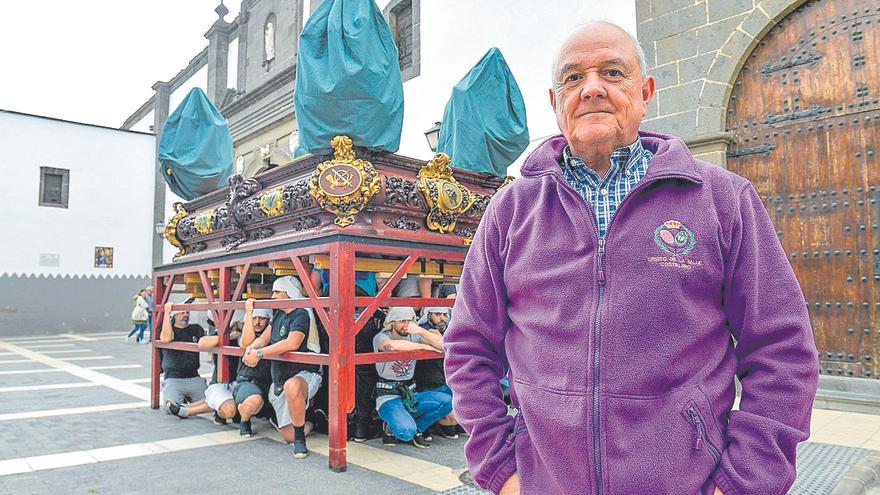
x: 553, y: 99
x: 648, y: 89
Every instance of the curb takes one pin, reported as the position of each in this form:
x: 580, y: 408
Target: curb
x: 860, y: 478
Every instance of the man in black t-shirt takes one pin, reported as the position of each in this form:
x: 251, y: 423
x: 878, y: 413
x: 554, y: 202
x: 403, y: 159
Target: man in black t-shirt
x: 253, y: 382
x: 294, y: 384
x: 183, y: 388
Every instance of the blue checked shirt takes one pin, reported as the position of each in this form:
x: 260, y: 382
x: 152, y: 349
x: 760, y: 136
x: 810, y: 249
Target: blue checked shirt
x: 628, y: 165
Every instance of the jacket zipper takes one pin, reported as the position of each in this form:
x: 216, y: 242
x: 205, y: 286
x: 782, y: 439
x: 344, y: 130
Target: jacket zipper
x: 597, y: 450
x: 702, y: 436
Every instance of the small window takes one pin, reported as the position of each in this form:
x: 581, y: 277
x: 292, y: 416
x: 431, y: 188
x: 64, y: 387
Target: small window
x: 403, y: 18
x: 54, y: 186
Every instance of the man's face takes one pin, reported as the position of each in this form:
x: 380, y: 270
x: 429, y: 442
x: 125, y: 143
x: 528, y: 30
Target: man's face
x: 599, y: 94
x: 277, y: 294
x: 260, y: 324
x: 438, y: 318
x: 181, y: 320
x: 400, y: 327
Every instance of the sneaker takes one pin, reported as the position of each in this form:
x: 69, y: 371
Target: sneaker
x: 388, y: 439
x: 172, y: 407
x: 428, y: 436
x: 448, y: 431
x: 419, y: 441
x: 461, y: 431
x: 300, y: 451
x: 244, y: 429
x: 218, y: 420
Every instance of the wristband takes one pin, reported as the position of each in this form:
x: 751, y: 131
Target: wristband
x: 260, y: 353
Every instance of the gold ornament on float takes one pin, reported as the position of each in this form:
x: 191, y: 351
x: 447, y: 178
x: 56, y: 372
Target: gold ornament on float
x: 272, y: 202
x: 203, y: 221
x: 171, y: 229
x: 344, y: 185
x: 445, y: 197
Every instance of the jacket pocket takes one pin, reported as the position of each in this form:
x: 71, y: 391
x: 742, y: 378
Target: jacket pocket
x: 552, y: 441
x: 658, y: 444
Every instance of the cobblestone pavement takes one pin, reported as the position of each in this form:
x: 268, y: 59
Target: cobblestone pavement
x: 74, y: 420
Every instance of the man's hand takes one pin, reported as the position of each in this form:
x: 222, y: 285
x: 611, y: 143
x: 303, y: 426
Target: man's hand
x: 413, y: 329
x: 250, y: 357
x: 718, y: 491
x: 511, y: 486
x: 168, y: 306
x: 249, y: 306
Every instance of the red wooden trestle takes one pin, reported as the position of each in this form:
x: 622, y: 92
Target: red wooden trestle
x: 336, y: 313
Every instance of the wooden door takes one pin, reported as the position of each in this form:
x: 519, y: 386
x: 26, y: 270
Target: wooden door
x: 805, y: 110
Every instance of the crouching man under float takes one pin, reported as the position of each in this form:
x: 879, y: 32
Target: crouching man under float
x: 407, y: 413
x: 294, y: 384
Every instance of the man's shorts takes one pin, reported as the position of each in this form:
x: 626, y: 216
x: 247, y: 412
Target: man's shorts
x: 218, y: 393
x: 279, y: 402
x: 245, y: 389
x: 184, y: 390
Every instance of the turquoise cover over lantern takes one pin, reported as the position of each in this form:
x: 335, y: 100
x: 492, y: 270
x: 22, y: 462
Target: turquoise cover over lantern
x: 484, y: 125
x: 195, y: 150
x: 348, y: 79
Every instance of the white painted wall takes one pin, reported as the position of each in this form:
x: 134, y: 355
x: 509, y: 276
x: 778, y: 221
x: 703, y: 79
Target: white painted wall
x: 110, y: 202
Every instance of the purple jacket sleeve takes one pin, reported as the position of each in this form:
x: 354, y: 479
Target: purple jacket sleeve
x: 776, y: 357
x: 476, y: 360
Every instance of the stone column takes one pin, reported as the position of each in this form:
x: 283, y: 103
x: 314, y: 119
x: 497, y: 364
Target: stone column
x: 161, y: 104
x: 218, y: 55
x: 243, y: 16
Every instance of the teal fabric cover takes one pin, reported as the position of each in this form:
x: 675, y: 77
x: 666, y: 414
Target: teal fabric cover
x: 196, y: 147
x: 348, y: 79
x: 484, y: 125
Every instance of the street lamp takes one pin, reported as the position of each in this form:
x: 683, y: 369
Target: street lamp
x: 433, y: 136
x: 160, y: 229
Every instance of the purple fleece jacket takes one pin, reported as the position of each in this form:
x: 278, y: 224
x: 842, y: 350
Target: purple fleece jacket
x: 622, y: 353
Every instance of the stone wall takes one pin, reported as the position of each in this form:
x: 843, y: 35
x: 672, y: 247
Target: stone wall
x: 695, y: 49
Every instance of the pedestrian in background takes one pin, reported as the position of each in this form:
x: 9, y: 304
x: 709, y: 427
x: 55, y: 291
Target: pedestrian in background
x: 139, y: 316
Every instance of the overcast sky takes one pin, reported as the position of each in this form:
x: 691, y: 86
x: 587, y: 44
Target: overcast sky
x: 96, y: 61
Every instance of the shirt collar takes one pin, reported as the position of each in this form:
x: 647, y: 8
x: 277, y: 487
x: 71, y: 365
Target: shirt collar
x: 621, y: 158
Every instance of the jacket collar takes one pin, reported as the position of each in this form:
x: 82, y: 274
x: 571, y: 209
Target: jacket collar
x: 671, y: 157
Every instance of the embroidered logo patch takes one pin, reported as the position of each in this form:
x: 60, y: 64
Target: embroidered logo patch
x: 674, y: 238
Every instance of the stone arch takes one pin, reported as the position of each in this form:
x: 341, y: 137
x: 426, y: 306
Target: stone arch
x: 730, y: 58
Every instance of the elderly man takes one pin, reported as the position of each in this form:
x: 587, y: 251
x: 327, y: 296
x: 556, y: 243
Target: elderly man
x: 294, y: 384
x: 624, y: 283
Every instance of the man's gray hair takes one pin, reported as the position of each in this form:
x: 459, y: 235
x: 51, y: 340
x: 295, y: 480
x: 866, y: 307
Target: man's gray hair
x: 643, y: 65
